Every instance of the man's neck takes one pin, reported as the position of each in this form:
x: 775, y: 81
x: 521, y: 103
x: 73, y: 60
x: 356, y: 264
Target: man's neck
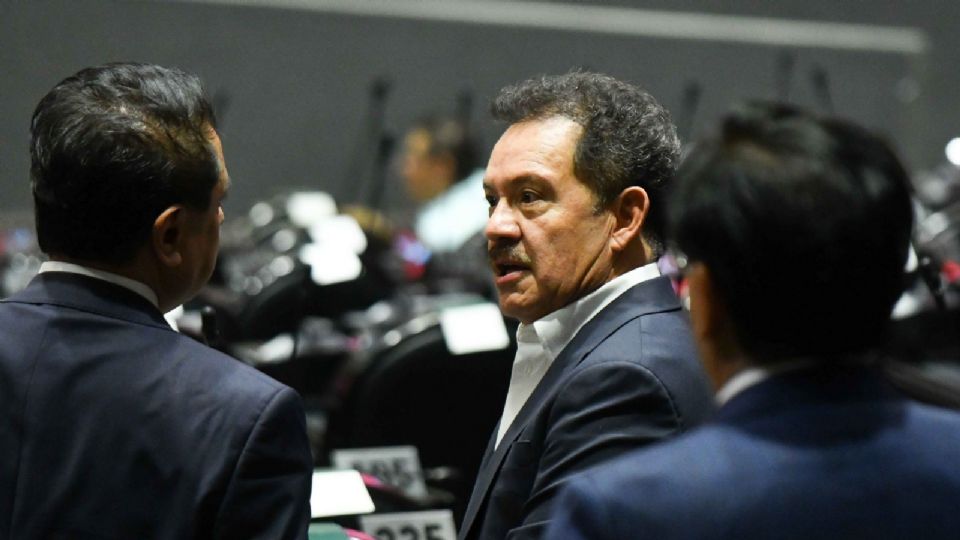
x: 118, y: 269
x: 637, y: 254
x: 133, y: 285
x: 134, y: 270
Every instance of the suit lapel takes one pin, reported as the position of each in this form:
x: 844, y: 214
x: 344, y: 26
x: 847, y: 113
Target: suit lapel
x: 648, y: 297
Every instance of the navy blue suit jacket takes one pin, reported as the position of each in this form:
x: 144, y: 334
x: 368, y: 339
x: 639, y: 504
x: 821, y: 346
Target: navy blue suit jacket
x: 113, y: 426
x: 802, y: 455
x: 630, y: 377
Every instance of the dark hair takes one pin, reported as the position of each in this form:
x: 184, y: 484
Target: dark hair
x: 450, y: 136
x: 804, y: 225
x: 112, y: 147
x: 628, y: 138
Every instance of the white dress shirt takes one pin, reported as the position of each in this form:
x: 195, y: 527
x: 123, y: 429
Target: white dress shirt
x: 540, y: 342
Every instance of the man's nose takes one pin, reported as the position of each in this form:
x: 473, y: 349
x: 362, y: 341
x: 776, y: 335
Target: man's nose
x: 502, y: 223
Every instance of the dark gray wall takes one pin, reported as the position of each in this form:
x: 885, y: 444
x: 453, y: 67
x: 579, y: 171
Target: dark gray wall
x: 298, y: 81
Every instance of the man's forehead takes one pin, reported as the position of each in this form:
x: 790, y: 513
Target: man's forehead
x: 534, y: 148
x: 548, y: 130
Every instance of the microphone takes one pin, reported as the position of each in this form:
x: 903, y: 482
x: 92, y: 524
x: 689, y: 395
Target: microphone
x: 786, y: 61
x: 379, y: 181
x: 465, y: 107
x: 821, y: 88
x: 208, y: 327
x: 688, y: 110
x: 371, y: 136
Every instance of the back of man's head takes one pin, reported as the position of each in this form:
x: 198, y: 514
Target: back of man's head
x: 803, y: 224
x: 628, y: 137
x: 113, y: 146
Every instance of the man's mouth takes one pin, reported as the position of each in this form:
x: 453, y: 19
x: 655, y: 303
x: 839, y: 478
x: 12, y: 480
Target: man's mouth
x: 509, y: 262
x: 504, y: 268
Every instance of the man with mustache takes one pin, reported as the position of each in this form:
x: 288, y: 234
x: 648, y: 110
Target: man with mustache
x: 605, y: 361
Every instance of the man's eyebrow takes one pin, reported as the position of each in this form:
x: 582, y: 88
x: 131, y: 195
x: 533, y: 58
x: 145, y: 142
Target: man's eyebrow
x: 527, y: 179
x: 520, y: 180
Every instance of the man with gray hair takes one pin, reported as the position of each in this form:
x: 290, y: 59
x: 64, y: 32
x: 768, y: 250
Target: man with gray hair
x: 605, y: 361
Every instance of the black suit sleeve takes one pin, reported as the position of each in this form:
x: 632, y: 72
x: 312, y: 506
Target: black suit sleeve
x: 603, y: 411
x: 268, y: 496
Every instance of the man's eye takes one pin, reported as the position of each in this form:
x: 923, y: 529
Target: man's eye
x: 528, y: 197
x: 491, y: 201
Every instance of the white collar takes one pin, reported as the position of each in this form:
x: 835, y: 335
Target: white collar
x: 555, y: 330
x: 131, y: 284
x: 753, y: 375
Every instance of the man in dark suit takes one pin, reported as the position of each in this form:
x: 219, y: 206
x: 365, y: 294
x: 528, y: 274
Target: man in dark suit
x: 113, y: 425
x: 605, y: 360
x: 796, y: 230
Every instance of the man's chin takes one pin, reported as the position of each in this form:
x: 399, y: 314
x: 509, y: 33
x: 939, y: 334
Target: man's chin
x: 514, y: 311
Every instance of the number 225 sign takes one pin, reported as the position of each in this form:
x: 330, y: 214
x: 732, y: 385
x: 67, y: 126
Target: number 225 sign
x: 429, y: 525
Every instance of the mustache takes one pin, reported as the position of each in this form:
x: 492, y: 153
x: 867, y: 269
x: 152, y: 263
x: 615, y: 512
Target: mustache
x: 510, y: 252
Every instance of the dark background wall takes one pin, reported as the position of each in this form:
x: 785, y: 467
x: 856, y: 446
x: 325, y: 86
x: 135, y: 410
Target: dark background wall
x: 293, y: 84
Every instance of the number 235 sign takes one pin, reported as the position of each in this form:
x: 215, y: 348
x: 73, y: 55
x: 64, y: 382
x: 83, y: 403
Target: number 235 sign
x: 429, y: 525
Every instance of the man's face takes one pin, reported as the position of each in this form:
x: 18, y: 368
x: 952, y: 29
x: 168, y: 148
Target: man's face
x: 202, y: 228
x: 425, y: 175
x: 547, y: 244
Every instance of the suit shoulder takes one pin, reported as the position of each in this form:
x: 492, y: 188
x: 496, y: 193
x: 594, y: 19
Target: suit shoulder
x: 671, y: 468
x: 649, y: 337
x: 603, y: 501
x: 658, y: 346
x: 936, y: 430
x: 229, y: 374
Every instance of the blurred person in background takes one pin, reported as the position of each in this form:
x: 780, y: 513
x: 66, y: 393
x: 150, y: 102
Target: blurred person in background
x: 439, y: 169
x: 796, y: 229
x: 113, y: 424
x: 605, y: 361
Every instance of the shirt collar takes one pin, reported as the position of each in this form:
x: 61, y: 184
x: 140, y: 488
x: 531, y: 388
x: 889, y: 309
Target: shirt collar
x: 753, y: 375
x: 555, y: 330
x: 131, y: 284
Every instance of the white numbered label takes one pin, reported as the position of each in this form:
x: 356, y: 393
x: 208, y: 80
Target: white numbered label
x: 398, y: 466
x: 429, y: 525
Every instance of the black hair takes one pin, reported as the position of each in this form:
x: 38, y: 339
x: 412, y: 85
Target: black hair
x: 113, y: 146
x: 450, y: 137
x: 804, y: 225
x: 628, y: 137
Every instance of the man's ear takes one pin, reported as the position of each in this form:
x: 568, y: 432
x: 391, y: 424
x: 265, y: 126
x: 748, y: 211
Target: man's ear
x: 630, y: 209
x: 167, y: 234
